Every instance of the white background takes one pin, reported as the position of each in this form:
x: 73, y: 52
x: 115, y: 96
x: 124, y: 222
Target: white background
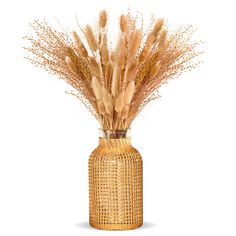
x: 186, y: 138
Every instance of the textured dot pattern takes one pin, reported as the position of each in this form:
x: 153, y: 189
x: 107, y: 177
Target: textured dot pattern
x: 115, y: 185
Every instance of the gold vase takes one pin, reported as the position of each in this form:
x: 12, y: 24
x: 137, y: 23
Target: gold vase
x: 115, y: 183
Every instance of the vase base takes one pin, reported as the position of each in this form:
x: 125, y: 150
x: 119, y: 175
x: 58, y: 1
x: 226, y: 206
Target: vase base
x: 115, y: 226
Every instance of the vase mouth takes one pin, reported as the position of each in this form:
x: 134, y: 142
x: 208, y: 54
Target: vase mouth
x: 114, y: 134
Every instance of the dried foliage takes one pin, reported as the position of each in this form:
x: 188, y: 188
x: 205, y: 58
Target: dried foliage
x: 114, y: 83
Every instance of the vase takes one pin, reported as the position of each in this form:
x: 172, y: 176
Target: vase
x: 115, y: 183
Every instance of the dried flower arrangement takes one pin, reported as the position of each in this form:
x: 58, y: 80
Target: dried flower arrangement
x: 114, y: 83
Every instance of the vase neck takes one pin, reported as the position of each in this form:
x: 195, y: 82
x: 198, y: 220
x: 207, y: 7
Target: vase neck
x: 114, y: 134
x: 120, y: 142
x: 114, y: 138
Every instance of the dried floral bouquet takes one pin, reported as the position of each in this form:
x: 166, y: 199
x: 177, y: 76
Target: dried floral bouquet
x: 114, y: 83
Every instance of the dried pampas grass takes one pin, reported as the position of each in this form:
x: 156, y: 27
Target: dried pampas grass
x: 92, y: 42
x: 155, y: 70
x: 104, y: 50
x: 134, y: 40
x: 79, y: 46
x: 115, y: 81
x: 95, y: 68
x: 102, y: 19
x: 119, y: 102
x: 121, y: 52
x: 129, y: 92
x: 108, y: 101
x: 71, y: 65
x: 97, y: 88
x: 123, y: 23
x: 157, y: 27
x: 115, y: 84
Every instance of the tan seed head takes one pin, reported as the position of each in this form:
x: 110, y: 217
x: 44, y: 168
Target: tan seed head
x: 91, y: 38
x: 102, y: 19
x: 119, y: 102
x: 129, y: 92
x: 79, y: 46
x: 123, y: 23
x: 97, y: 88
x: 72, y: 66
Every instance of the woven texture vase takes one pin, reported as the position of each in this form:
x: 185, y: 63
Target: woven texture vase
x: 115, y: 184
